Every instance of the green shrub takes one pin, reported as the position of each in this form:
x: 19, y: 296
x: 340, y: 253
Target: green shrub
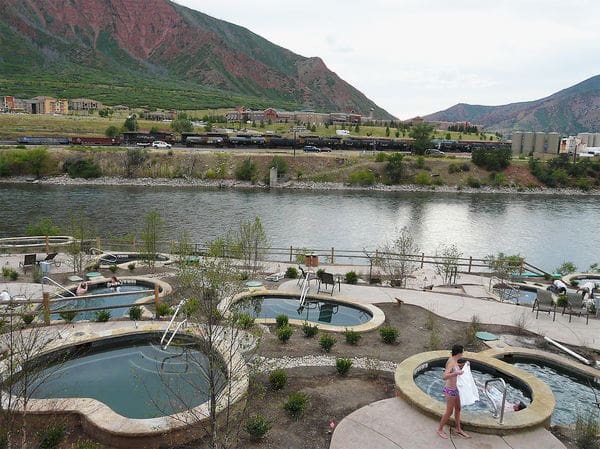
x: 36, y: 274
x: 163, y: 309
x: 113, y: 268
x: 102, y: 316
x: 327, y: 342
x: 86, y: 444
x: 245, y: 320
x: 284, y: 333
x: 10, y: 273
x: 586, y: 432
x: 83, y: 168
x: 291, y: 273
x: 493, y: 159
x: 51, y: 437
x: 131, y: 266
x: 423, y: 179
x: 352, y: 337
x: 473, y: 182
x: 310, y: 330
x: 247, y: 170
x: 381, y: 157
x: 257, y: 426
x: 296, y: 404
x: 351, y: 277
x: 388, y: 334
x: 281, y: 320
x: 420, y: 162
x: 343, y: 366
x: 27, y: 318
x: 135, y: 313
x: 68, y: 315
x: 280, y: 164
x: 43, y: 227
x: 278, y: 379
x: 362, y: 177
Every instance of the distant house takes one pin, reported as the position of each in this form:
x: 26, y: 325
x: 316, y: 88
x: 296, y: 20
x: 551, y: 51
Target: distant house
x: 47, y: 105
x: 158, y: 115
x: 84, y: 104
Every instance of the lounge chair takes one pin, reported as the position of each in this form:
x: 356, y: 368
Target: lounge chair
x: 577, y: 306
x: 545, y: 303
x: 326, y: 279
x: 51, y: 258
x: 29, y: 260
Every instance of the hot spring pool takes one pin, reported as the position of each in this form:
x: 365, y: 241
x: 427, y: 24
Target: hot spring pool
x: 574, y: 394
x: 315, y: 310
x: 133, y: 376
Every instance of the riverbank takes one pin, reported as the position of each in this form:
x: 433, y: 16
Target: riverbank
x: 288, y: 185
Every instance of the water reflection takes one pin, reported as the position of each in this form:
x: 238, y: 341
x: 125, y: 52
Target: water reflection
x: 547, y: 229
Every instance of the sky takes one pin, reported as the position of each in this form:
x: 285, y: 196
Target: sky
x: 416, y: 57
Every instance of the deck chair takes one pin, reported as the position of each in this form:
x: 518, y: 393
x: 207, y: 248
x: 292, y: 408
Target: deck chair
x: 29, y: 260
x: 51, y: 258
x: 545, y: 303
x: 577, y: 306
x: 326, y: 279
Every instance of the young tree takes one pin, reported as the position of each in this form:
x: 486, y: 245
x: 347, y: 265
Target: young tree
x: 112, y: 131
x: 503, y: 266
x: 131, y: 123
x: 81, y: 231
x: 395, y: 168
x: 253, y: 243
x: 398, y: 256
x: 446, y: 264
x: 150, y: 236
x: 182, y: 124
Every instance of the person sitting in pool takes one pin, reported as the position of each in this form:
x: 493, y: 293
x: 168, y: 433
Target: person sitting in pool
x: 495, y: 396
x: 114, y: 283
x: 82, y: 289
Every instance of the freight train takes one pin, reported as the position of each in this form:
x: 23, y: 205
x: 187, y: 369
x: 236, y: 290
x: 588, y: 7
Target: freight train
x: 220, y: 140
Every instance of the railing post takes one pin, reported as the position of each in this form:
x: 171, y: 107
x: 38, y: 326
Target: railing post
x: 470, y: 262
x: 98, y: 244
x: 134, y: 250
x: 521, y: 266
x: 47, y: 245
x: 291, y: 253
x: 332, y: 256
x: 156, y: 299
x: 46, y: 304
x: 422, y: 259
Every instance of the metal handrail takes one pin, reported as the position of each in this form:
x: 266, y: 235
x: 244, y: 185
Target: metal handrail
x: 304, y: 289
x: 497, y: 379
x: 181, y: 303
x: 52, y: 281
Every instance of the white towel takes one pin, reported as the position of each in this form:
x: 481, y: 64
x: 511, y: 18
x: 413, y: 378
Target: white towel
x: 466, y: 386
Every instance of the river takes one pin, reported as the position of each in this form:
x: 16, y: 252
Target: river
x: 546, y: 229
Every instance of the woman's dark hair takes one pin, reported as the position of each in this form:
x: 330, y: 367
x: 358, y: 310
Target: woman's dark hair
x: 521, y: 406
x: 457, y: 349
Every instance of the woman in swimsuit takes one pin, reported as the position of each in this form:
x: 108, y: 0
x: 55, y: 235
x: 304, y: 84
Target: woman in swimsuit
x: 452, y: 371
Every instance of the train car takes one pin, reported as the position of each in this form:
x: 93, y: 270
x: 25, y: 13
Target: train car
x: 106, y: 141
x: 134, y: 137
x: 246, y: 140
x: 27, y: 140
x: 281, y: 142
x: 205, y: 139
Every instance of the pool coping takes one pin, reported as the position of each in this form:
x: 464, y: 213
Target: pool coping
x: 378, y: 317
x: 124, y: 265
x: 103, y: 423
x: 537, y: 414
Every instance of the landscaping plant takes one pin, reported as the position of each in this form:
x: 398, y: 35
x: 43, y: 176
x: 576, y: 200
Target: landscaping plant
x: 278, y: 379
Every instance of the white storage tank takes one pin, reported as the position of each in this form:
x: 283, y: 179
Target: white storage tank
x: 585, y: 139
x: 540, y: 141
x: 527, y: 142
x: 553, y: 143
x: 517, y: 143
x: 596, y: 139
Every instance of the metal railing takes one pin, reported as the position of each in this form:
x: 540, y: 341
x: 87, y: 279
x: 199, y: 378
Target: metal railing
x: 62, y: 287
x: 175, y: 313
x: 496, y: 412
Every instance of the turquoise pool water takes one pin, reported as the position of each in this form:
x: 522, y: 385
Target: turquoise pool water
x: 316, y: 311
x: 136, y: 379
x: 430, y: 381
x: 89, y: 302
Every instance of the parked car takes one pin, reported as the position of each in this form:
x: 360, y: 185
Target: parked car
x: 325, y: 150
x: 434, y: 152
x: 160, y: 144
x: 311, y: 149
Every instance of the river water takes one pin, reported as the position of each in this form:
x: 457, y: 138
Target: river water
x: 546, y: 229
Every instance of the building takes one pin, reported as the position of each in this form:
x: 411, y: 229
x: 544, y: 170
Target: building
x: 84, y: 105
x: 47, y: 105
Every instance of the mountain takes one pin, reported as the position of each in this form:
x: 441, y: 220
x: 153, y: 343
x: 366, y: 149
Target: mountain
x: 569, y: 111
x: 160, y: 54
